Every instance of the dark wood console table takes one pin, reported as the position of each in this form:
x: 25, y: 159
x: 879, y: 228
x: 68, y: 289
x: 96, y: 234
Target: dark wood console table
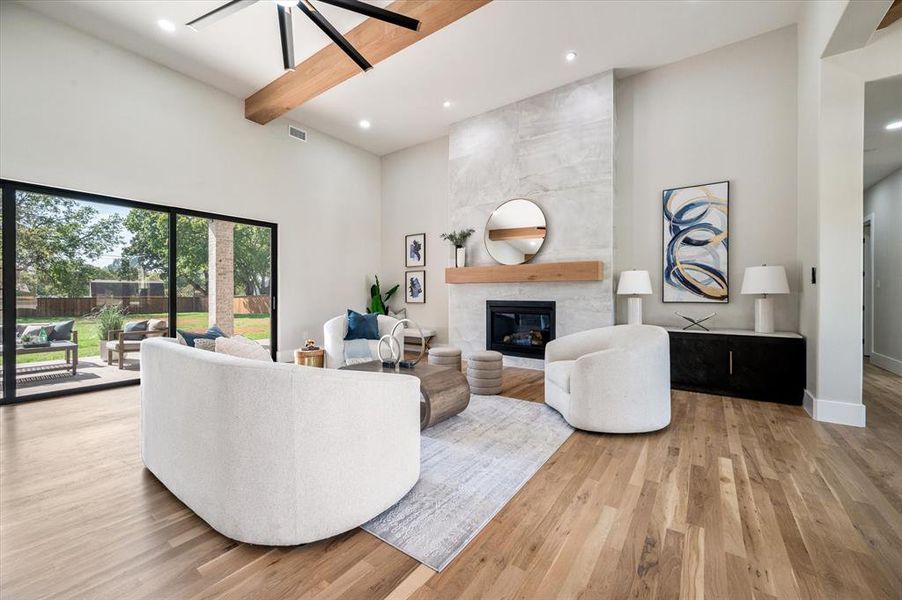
x: 744, y: 364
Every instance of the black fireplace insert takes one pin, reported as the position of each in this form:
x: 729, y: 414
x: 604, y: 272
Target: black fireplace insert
x: 519, y: 327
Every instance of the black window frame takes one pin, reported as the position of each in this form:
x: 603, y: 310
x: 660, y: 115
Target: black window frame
x: 9, y: 190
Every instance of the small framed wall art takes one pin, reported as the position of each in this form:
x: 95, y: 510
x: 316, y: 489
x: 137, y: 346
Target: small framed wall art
x: 415, y: 250
x: 697, y: 243
x: 415, y: 292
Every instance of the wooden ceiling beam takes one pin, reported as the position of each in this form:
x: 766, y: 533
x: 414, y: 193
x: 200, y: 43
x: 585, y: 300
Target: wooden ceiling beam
x: 374, y: 39
x: 892, y: 15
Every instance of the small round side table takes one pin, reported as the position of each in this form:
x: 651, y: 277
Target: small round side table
x: 309, y: 358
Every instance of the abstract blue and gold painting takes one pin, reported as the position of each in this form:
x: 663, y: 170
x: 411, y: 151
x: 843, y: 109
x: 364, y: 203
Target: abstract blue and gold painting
x: 696, y: 243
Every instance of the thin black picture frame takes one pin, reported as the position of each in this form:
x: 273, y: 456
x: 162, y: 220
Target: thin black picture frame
x: 407, y: 299
x: 664, y: 245
x: 407, y: 237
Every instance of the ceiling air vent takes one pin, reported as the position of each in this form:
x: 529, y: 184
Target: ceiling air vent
x: 297, y: 133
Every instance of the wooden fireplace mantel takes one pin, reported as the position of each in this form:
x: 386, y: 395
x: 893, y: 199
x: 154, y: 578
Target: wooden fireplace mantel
x: 586, y: 270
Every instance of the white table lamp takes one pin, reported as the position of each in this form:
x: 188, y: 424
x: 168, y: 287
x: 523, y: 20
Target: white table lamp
x: 634, y: 284
x: 764, y: 280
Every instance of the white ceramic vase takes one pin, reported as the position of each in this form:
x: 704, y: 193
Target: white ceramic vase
x: 461, y: 257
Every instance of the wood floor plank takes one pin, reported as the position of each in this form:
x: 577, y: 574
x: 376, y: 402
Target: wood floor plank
x: 411, y: 583
x: 735, y: 499
x: 668, y: 586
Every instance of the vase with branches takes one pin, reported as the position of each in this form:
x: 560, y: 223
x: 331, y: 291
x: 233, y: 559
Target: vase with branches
x: 459, y: 240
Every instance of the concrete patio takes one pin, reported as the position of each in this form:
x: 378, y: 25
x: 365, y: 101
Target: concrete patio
x: 91, y: 371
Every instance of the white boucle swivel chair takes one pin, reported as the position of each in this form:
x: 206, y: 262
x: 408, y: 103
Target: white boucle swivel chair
x: 611, y: 380
x: 273, y: 453
x: 335, y: 330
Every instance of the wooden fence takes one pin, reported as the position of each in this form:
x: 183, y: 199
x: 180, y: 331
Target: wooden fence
x: 79, y: 307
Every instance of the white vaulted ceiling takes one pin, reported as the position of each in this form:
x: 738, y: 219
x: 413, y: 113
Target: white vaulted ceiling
x: 503, y: 52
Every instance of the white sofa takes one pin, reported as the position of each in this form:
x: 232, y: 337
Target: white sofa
x: 273, y: 453
x: 335, y: 330
x: 612, y: 380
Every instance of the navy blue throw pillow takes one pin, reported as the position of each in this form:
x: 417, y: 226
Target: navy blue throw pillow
x: 362, y: 327
x: 216, y: 332
x: 210, y: 334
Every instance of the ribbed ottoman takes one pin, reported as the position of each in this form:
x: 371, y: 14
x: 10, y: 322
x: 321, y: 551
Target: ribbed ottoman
x: 484, y: 372
x: 445, y: 356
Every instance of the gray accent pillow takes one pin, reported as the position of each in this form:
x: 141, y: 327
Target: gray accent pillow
x: 62, y: 331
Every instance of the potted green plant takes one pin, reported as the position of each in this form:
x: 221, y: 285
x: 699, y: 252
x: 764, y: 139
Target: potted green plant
x: 378, y: 300
x: 109, y: 319
x: 459, y: 240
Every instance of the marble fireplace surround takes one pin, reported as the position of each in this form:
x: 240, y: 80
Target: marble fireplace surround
x: 557, y: 149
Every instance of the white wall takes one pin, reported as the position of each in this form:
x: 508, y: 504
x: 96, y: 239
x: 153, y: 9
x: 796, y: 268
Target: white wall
x: 415, y: 200
x: 728, y: 114
x: 817, y: 21
x: 78, y: 113
x: 833, y: 148
x: 883, y: 200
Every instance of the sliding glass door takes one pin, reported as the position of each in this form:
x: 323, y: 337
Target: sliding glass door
x: 224, y: 277
x: 85, y: 291
x: 86, y: 279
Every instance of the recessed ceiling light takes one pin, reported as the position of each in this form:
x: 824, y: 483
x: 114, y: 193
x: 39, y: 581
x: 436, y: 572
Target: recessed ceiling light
x: 570, y: 56
x: 446, y: 104
x: 167, y: 26
x: 364, y: 124
x: 894, y: 125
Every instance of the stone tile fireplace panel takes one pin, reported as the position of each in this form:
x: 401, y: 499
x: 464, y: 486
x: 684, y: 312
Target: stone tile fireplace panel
x: 556, y: 149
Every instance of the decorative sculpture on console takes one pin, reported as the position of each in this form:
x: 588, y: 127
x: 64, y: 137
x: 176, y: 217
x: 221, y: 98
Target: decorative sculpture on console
x: 396, y: 351
x: 695, y: 322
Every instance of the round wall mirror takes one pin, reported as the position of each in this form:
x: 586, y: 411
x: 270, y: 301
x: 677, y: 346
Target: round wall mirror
x: 515, y: 232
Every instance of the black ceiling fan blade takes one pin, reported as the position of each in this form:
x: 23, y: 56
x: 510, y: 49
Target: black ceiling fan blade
x: 333, y: 34
x: 229, y: 8
x: 376, y: 12
x: 287, y: 36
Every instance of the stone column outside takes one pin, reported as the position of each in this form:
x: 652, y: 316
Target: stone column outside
x: 222, y: 275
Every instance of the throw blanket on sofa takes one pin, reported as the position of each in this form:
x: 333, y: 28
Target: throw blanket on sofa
x: 357, y: 351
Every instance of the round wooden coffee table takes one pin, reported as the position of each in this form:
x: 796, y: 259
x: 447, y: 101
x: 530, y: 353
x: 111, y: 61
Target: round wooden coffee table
x: 444, y: 392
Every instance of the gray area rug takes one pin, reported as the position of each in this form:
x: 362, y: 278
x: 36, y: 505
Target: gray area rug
x: 471, y: 466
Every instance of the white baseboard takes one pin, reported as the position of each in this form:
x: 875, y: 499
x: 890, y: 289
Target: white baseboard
x: 808, y: 403
x: 889, y: 363
x: 832, y: 411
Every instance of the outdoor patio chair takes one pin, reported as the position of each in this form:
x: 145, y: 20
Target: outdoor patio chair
x: 130, y: 341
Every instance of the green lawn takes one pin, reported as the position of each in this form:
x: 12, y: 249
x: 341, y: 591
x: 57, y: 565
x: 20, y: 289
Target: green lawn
x: 255, y: 327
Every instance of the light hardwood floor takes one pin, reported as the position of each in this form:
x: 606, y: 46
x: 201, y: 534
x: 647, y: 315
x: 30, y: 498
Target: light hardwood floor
x: 736, y: 499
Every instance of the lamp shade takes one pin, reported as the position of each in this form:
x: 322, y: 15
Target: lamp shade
x: 634, y: 282
x: 765, y: 280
